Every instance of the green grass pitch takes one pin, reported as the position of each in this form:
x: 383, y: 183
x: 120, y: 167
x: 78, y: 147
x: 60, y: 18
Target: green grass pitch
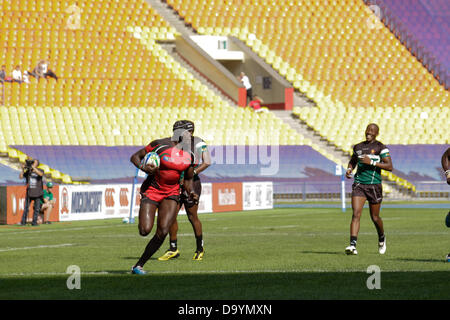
x: 272, y: 254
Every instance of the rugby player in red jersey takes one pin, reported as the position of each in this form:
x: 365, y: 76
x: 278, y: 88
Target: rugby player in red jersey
x: 200, y: 150
x: 161, y: 189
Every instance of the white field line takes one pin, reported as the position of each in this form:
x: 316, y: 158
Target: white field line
x: 210, y: 272
x: 58, y: 230
x: 37, y: 247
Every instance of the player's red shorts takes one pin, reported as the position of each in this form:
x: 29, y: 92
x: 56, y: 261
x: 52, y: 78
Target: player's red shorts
x: 157, y: 195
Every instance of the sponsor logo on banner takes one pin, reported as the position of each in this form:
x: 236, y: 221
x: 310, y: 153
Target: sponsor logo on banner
x: 14, y: 205
x: 86, y: 201
x: 123, y: 197
x: 227, y: 197
x: 205, y: 203
x: 109, y: 197
x: 64, y: 200
x: 258, y: 195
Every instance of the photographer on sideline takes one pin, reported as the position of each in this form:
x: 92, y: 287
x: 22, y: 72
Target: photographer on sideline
x: 35, y: 188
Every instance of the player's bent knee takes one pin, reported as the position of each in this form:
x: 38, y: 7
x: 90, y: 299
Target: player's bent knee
x: 144, y: 230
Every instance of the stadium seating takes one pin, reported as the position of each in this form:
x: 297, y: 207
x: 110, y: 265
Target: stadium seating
x: 106, y: 96
x: 422, y: 26
x: 95, y: 104
x: 340, y: 53
x: 9, y: 176
x: 419, y: 162
x: 342, y: 57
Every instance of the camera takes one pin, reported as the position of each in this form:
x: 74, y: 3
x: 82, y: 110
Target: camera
x: 28, y: 164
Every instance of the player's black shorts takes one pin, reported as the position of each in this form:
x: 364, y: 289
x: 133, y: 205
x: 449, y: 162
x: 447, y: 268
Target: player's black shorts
x: 145, y: 198
x: 372, y: 192
x: 184, y: 195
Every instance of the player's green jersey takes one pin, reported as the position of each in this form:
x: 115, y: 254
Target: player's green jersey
x: 199, y: 146
x: 368, y: 174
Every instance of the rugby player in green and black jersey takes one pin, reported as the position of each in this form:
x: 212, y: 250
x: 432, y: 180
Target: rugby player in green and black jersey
x: 369, y: 158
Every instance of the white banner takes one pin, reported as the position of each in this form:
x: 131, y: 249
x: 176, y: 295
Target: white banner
x: 87, y: 202
x: 257, y: 195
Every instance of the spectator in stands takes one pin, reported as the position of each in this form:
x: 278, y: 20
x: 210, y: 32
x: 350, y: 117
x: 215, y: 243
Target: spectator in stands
x: 42, y: 71
x: 3, y: 76
x: 33, y: 176
x: 255, y: 104
x: 47, y: 202
x: 17, y: 75
x: 26, y: 78
x: 3, y: 73
x: 248, y: 86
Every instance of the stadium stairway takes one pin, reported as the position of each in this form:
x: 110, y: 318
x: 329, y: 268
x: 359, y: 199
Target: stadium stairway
x: 175, y: 20
x: 170, y: 48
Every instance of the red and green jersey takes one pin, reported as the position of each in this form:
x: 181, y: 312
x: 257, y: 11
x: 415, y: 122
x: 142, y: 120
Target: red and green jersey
x: 173, y: 161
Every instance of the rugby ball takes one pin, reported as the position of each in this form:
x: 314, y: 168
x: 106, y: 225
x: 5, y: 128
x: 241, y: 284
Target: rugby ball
x: 152, y: 158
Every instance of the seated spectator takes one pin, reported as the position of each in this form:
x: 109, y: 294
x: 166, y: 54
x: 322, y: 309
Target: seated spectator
x: 256, y: 104
x: 26, y: 78
x: 17, y: 75
x: 3, y: 76
x: 42, y: 71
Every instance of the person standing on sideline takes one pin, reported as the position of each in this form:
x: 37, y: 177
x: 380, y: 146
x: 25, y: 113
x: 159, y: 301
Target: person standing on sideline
x: 200, y: 150
x: 35, y: 189
x: 369, y: 158
x: 248, y: 86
